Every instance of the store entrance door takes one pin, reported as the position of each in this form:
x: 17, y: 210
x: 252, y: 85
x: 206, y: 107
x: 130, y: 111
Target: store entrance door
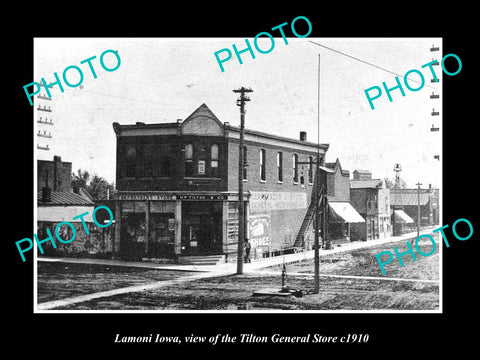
x: 201, y: 228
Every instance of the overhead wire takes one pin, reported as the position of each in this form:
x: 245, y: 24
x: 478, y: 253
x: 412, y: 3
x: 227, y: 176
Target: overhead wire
x: 368, y: 63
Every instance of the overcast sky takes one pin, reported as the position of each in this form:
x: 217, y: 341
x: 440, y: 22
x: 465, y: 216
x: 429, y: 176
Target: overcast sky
x: 162, y: 80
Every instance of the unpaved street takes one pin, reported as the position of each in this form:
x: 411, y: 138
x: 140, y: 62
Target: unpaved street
x: 348, y: 281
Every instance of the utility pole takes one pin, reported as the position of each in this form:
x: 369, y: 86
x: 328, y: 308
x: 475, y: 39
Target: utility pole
x: 241, y: 164
x: 418, y: 209
x: 316, y: 287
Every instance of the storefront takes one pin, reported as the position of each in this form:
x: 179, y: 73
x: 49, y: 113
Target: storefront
x: 341, y: 215
x: 166, y: 225
x: 201, y: 227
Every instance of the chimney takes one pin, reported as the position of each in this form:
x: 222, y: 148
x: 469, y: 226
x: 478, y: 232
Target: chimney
x: 303, y: 136
x: 46, y: 191
x: 57, y: 161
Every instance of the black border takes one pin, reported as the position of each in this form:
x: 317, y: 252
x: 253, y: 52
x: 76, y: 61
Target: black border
x: 92, y: 334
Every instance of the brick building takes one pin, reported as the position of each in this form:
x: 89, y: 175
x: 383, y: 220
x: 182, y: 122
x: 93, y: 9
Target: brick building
x: 371, y: 198
x: 341, y: 213
x: 177, y: 187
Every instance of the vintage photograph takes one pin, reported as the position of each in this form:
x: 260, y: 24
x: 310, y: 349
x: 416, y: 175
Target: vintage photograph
x: 269, y: 174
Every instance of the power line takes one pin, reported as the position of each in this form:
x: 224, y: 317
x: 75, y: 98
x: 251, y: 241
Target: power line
x: 368, y: 63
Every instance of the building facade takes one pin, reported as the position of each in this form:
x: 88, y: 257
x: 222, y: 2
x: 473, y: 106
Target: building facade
x: 177, y: 188
x: 341, y: 213
x: 411, y: 200
x: 371, y: 198
x: 57, y: 203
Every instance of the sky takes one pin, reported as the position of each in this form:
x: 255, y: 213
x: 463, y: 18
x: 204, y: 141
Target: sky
x: 164, y: 79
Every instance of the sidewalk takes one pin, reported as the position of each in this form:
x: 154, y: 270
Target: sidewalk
x: 231, y: 268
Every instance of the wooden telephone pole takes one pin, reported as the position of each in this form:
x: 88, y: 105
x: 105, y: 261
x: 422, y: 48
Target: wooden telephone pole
x: 418, y: 209
x: 241, y: 164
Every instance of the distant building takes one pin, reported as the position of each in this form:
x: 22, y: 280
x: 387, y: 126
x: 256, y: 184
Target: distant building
x: 371, y: 198
x: 407, y: 200
x: 362, y: 174
x: 341, y: 213
x: 56, y: 174
x: 56, y: 203
x: 177, y: 188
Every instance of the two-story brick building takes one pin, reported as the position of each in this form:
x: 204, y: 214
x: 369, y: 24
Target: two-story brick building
x: 177, y: 187
x: 341, y: 213
x: 371, y: 198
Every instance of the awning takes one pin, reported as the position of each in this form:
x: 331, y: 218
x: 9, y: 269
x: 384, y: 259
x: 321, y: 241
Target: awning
x: 343, y: 212
x: 401, y: 217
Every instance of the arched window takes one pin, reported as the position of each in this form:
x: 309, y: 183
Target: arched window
x: 189, y: 168
x: 280, y: 166
x: 295, y: 168
x: 214, y: 160
x: 263, y: 173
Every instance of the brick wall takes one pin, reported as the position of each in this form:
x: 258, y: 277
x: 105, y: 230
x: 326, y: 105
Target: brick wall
x: 283, y: 223
x: 59, y: 174
x: 338, y: 186
x: 358, y: 199
x: 271, y: 183
x: 173, y: 146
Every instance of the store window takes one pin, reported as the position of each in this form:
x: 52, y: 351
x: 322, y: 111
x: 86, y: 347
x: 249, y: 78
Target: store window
x: 133, y: 221
x: 161, y: 228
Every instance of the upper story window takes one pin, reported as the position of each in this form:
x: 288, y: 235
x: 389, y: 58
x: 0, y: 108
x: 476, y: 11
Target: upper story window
x: 214, y: 160
x: 263, y: 173
x: 310, y: 170
x: 130, y: 160
x: 214, y: 156
x: 295, y: 168
x: 189, y: 166
x: 279, y: 166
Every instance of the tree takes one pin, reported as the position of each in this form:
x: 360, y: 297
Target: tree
x: 97, y: 186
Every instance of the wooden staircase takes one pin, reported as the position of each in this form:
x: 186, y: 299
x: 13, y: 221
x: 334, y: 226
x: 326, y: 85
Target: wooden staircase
x: 308, y: 218
x: 201, y: 260
x: 306, y: 223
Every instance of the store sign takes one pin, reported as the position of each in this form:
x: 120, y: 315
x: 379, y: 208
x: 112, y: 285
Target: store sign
x: 259, y: 230
x: 202, y: 197
x: 130, y: 196
x: 170, y: 197
x: 268, y: 201
x: 201, y: 167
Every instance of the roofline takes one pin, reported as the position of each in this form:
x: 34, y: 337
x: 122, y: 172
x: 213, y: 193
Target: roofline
x: 277, y: 137
x: 117, y: 128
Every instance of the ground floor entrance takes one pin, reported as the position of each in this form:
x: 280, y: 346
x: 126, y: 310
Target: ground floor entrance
x: 201, y: 228
x: 169, y: 225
